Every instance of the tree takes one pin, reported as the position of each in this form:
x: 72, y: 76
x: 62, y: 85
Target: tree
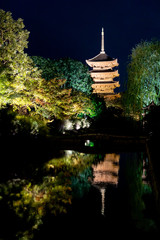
x: 21, y: 84
x: 143, y: 85
x: 67, y: 69
x: 59, y: 102
x: 19, y: 78
x: 75, y: 72
x: 46, y: 65
x: 77, y: 78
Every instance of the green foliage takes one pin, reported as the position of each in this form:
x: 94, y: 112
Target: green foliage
x: 77, y: 78
x: 53, y: 89
x: 76, y: 73
x: 137, y: 193
x: 115, y: 103
x: 94, y: 107
x: 19, y: 79
x: 134, y: 179
x: 80, y: 183
x: 33, y: 98
x: 32, y: 200
x: 46, y: 66
x: 152, y: 120
x: 143, y: 85
x: 17, y: 74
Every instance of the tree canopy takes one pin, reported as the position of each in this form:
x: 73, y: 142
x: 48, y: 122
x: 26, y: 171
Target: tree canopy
x: 29, y: 90
x: 143, y: 86
x: 75, y: 72
x: 17, y: 74
x: 77, y: 77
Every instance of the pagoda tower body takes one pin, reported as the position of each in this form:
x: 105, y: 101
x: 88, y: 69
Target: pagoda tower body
x: 103, y: 73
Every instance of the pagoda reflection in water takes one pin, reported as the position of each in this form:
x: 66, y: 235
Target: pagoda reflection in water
x: 106, y: 173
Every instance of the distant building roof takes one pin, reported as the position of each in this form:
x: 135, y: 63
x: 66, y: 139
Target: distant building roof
x: 101, y: 57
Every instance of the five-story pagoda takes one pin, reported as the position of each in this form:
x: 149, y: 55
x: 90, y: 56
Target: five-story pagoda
x: 103, y: 73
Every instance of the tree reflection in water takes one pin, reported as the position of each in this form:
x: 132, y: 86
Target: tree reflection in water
x: 136, y: 193
x: 30, y: 201
x: 27, y: 202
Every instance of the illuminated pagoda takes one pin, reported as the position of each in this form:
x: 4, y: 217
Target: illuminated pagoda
x: 103, y: 73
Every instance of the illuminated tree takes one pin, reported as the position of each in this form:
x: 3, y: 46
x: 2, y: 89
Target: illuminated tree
x: 19, y: 79
x: 75, y: 72
x: 59, y: 102
x: 77, y: 78
x: 21, y: 84
x: 143, y: 85
x: 46, y: 65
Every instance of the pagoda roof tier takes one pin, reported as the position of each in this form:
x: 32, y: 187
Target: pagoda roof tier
x: 102, y: 90
x: 111, y: 96
x: 104, y: 74
x: 107, y: 80
x: 102, y: 70
x: 101, y: 61
x: 101, y: 57
x: 105, y: 87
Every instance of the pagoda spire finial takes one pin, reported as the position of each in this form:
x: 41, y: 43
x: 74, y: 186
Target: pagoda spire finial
x: 102, y: 41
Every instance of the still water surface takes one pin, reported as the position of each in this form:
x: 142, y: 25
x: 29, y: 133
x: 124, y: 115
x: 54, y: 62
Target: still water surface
x: 74, y: 191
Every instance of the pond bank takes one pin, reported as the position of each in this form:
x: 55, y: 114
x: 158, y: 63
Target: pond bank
x: 101, y: 141
x: 87, y: 142
x: 154, y: 163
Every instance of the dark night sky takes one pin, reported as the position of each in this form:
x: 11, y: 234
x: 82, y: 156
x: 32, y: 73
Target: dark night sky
x: 70, y: 28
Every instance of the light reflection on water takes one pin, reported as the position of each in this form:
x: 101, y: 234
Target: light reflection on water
x: 104, y: 173
x: 53, y: 187
x: 122, y: 178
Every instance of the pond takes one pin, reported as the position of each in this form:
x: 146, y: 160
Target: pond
x: 64, y: 191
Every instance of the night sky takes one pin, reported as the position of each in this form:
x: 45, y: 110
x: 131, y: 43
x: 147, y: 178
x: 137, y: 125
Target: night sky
x: 70, y: 28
